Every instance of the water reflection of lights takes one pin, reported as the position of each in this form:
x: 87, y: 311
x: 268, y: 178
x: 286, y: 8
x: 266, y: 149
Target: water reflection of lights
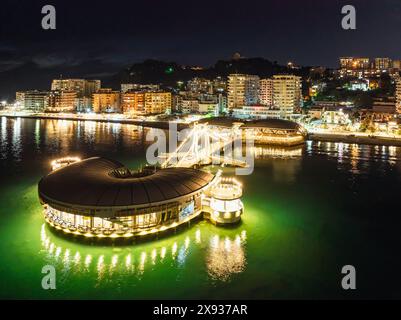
x: 358, y: 156
x: 16, y: 139
x: 4, y: 142
x: 224, y: 256
x: 261, y: 152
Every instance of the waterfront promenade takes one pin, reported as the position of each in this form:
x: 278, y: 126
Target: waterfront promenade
x: 160, y: 124
x: 323, y: 135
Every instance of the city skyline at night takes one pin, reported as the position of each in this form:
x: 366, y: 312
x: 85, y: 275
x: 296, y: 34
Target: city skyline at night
x: 199, y: 158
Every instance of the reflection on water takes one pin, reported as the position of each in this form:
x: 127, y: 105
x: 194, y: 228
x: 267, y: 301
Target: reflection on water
x: 268, y: 152
x: 62, y: 136
x: 16, y: 145
x: 224, y: 256
x: 355, y: 158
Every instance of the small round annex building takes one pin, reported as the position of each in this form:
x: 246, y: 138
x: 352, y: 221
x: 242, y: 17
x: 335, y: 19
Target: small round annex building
x: 99, y: 197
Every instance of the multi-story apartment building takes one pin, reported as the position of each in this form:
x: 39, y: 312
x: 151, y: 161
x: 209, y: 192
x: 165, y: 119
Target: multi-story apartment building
x: 146, y: 102
x: 84, y: 104
x: 157, y: 102
x: 266, y: 92
x: 355, y: 67
x: 396, y: 64
x: 365, y: 68
x: 125, y: 87
x: 383, y: 63
x: 61, y: 101
x: 287, y: 94
x: 20, y: 98
x: 398, y: 95
x: 189, y: 105
x: 33, y: 100
x: 219, y: 85
x: 200, y: 85
x: 84, y: 88
x: 106, y: 100
x: 353, y: 63
x: 242, y: 89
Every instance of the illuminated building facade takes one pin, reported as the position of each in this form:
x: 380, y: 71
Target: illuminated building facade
x: 257, y: 112
x: 83, y: 87
x: 136, y: 203
x: 61, y: 101
x: 106, y: 100
x: 353, y: 63
x: 125, y: 87
x: 356, y: 67
x: 189, y: 105
x: 34, y: 100
x: 287, y: 94
x: 200, y: 85
x: 20, y: 98
x: 146, y: 102
x: 266, y: 92
x: 383, y: 63
x: 398, y: 95
x: 242, y: 89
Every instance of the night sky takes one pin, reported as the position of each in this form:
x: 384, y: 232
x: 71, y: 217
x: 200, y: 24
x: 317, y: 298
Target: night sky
x: 97, y: 39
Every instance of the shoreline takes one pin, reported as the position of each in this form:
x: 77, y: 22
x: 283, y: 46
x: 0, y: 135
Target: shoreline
x: 346, y: 138
x: 324, y: 137
x: 142, y: 123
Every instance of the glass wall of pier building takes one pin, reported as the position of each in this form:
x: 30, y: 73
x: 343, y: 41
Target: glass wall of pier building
x: 98, y: 196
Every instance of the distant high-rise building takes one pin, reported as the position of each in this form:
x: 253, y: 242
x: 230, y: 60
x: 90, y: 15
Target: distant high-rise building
x: 398, y: 95
x: 84, y: 88
x: 146, y: 102
x: 125, y: 87
x: 383, y: 63
x: 242, y: 89
x: 200, y: 85
x: 90, y: 87
x: 287, y: 94
x: 266, y: 92
x: 106, y: 100
x: 355, y: 67
x: 396, y: 64
x: 354, y: 63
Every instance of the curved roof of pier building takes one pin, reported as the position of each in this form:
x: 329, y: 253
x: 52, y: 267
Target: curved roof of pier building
x: 274, y: 124
x: 104, y: 183
x: 269, y: 123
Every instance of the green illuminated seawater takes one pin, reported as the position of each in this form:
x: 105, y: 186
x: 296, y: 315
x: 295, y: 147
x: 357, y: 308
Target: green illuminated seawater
x: 308, y: 211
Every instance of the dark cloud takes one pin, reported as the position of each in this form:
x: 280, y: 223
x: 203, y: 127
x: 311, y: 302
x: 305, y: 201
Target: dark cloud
x: 100, y: 38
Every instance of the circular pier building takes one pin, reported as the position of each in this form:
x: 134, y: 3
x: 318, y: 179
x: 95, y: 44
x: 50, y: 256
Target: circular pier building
x: 100, y: 197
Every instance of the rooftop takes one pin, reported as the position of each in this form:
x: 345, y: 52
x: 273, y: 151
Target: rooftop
x: 94, y: 183
x: 269, y: 123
